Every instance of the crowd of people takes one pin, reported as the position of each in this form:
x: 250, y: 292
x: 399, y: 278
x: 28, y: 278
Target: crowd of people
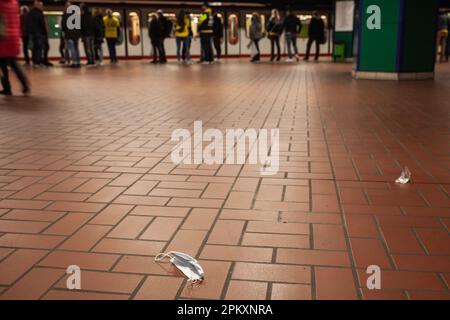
x: 31, y: 30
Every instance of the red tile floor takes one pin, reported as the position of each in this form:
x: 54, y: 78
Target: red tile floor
x: 86, y: 179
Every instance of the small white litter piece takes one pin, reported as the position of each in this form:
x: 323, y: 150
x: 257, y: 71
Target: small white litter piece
x: 185, y: 263
x: 405, y: 176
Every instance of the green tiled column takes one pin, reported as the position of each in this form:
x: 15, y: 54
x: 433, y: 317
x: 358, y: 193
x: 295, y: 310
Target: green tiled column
x: 404, y: 46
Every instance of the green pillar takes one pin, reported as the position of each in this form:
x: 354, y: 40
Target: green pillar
x: 397, y: 39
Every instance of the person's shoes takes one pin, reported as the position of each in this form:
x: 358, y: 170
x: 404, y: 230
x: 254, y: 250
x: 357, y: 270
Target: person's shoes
x: 75, y: 66
x: 305, y: 59
x: 316, y: 59
x: 154, y: 62
x: 272, y: 58
x: 6, y: 93
x: 163, y: 61
x: 278, y: 58
x: 297, y: 58
x: 289, y: 60
x: 48, y: 64
x: 62, y: 61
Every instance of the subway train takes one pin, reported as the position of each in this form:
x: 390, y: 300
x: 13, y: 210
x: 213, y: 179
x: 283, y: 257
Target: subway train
x: 134, y: 42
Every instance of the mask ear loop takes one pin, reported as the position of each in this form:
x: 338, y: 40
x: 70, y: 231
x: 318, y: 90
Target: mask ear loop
x: 161, y: 256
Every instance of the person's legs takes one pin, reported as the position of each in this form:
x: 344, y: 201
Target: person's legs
x: 317, y: 50
x: 155, y: 51
x: 288, y: 45
x: 46, y: 50
x: 272, y: 48
x: 217, y: 47
x: 258, y: 55
x: 188, y: 48
x: 162, y: 53
x: 209, y: 49
x: 5, y: 77
x: 20, y: 74
x: 178, y: 41
x: 110, y: 43
x: 294, y: 44
x: 26, y: 55
x: 37, y: 49
x: 308, y: 48
x: 277, y: 43
x: 185, y: 42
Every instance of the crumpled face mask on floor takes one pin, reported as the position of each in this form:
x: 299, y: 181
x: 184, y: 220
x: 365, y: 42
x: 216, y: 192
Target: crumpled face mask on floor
x: 185, y: 263
x: 404, y: 177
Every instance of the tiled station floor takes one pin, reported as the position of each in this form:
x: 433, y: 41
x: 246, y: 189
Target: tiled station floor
x: 86, y: 179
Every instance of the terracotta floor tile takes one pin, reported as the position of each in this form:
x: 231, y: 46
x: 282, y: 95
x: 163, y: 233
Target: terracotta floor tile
x: 200, y: 219
x: 235, y: 253
x: 69, y: 224
x: 122, y: 246
x: 335, y: 284
x: 15, y: 265
x: 284, y: 291
x: 313, y: 257
x: 226, y: 232
x: 329, y: 237
x: 272, y: 272
x: 159, y: 288
x: 130, y: 227
x: 161, y: 228
x: 33, y: 285
x: 367, y: 252
x: 246, y: 290
x: 105, y: 282
x: 85, y: 260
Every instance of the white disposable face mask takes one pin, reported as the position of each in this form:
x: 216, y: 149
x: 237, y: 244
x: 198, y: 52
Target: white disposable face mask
x: 185, y: 263
x: 404, y: 177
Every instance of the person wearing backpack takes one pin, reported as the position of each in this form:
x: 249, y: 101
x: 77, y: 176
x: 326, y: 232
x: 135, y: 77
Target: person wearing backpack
x: 165, y: 28
x: 274, y: 30
x: 10, y: 46
x: 205, y: 28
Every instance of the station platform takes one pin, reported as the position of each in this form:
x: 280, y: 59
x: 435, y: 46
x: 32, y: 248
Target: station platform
x: 86, y: 179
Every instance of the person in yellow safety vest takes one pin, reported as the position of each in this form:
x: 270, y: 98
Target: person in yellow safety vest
x: 182, y: 36
x: 205, y: 28
x: 112, y: 25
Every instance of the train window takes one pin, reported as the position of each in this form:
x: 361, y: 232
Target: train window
x: 53, y: 19
x: 119, y: 17
x: 233, y: 29
x: 248, y: 22
x: 134, y: 29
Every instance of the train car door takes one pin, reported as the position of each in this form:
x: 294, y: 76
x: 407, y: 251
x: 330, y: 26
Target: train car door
x: 120, y: 45
x: 134, y: 33
x: 233, y: 36
x: 53, y: 19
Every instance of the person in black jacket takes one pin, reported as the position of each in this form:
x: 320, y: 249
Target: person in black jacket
x: 72, y: 37
x: 25, y: 36
x: 274, y: 29
x: 218, y: 36
x: 99, y: 35
x: 316, y: 33
x: 154, y: 34
x: 88, y: 34
x: 291, y: 26
x: 37, y: 29
x: 165, y: 30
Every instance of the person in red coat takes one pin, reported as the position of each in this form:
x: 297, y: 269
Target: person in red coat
x: 10, y: 38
